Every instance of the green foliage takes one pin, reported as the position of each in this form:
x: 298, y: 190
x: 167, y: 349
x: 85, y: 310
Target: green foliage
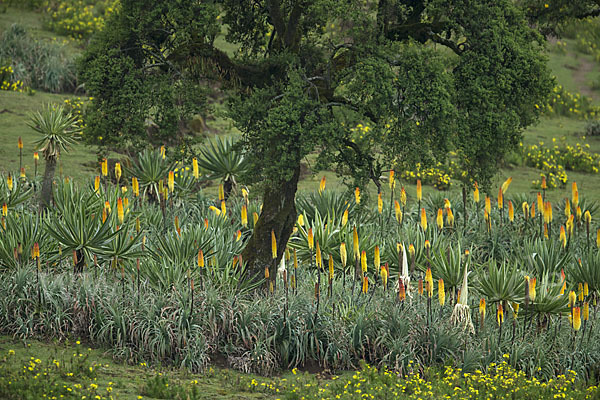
x: 139, y: 61
x: 59, y: 130
x: 35, y: 63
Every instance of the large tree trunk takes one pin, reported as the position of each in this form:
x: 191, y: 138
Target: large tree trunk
x: 46, y: 196
x: 279, y: 215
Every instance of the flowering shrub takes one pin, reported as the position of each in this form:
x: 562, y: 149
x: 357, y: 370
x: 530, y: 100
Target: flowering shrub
x: 6, y: 73
x: 78, y: 18
x: 564, y: 103
x: 555, y: 160
x: 76, y: 106
x: 499, y: 381
x: 438, y: 176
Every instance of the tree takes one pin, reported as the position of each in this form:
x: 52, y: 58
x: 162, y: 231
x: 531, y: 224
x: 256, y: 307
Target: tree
x: 421, y: 78
x: 59, y: 131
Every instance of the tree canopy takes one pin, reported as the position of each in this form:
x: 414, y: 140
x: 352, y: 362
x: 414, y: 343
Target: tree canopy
x: 366, y: 85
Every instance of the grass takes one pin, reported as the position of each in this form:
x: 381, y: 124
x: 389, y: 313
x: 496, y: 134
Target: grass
x: 123, y: 381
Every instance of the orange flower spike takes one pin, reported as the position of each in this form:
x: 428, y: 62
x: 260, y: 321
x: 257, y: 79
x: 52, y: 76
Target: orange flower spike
x: 586, y: 311
x: 482, y: 308
x: 397, y: 211
x: 357, y: 195
x: 403, y: 196
x: 200, y: 259
x: 363, y: 262
x: 567, y: 208
x: 576, y: 318
x: 310, y: 238
x: 319, y: 259
x: 120, y: 213
x: 500, y: 314
x: 330, y: 268
x: 532, y: 292
x: 511, y: 211
x: 421, y: 286
x: 392, y: 181
x: 379, y: 203
x: 355, y: 246
x: 377, y: 259
x: 343, y: 254
x: 562, y: 237
x: 500, y: 199
x: 488, y: 205
x: 365, y: 287
x: 476, y: 193
x: 322, y: 184
x: 544, y: 183
x: 574, y: 194
x: 419, y: 190
x: 401, y: 291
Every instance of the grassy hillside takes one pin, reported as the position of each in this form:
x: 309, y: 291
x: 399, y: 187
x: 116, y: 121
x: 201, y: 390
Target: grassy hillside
x: 576, y: 71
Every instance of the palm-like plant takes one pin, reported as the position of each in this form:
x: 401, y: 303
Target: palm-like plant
x: 59, y: 130
x: 150, y: 168
x: 501, y: 283
x: 223, y: 162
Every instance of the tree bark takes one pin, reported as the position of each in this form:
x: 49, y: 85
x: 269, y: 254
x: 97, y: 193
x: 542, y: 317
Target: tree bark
x: 46, y: 195
x: 279, y: 215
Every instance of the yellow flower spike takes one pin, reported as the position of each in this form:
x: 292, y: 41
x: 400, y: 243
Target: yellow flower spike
x: 245, y: 215
x: 576, y: 318
x: 403, y: 196
x: 450, y: 217
x: 441, y: 292
x: 532, y: 210
x: 546, y: 231
x: 357, y: 195
x: 330, y: 268
x: 379, y: 203
x: 301, y: 220
x: 540, y: 204
x: 500, y: 199
x: 118, y: 171
x: 447, y: 205
x: 96, y: 183
x: 221, y: 193
x: 429, y: 282
x: 392, y: 181
x: 22, y: 174
x: 423, y: 219
x: 345, y: 217
x: 532, y: 292
x: 5, y: 210
x: 343, y: 254
x: 322, y: 184
x: 500, y: 314
x: 515, y: 309
x: 215, y: 210
x: 525, y: 208
x: 163, y: 152
x: 578, y: 214
x: 580, y: 291
x: 567, y: 208
x: 587, y: 217
x: 9, y: 182
x: 572, y: 298
x: 476, y: 193
x: 397, y: 211
x: 104, y: 215
x: 310, y: 238
x: 384, y: 275
x: 488, y: 205
x: 20, y: 143
x: 273, y: 244
x: 586, y: 311
x: 376, y: 259
x: 120, y: 213
x: 104, y: 167
x: 440, y: 219
x: 419, y: 190
x: 506, y: 184
x: 586, y: 289
x: 238, y: 235
x: 562, y: 237
x: 267, y: 274
x: 598, y: 238
x: 363, y: 262
x: 355, y: 243
x: 319, y: 259
x: 195, y: 171
x: 223, y: 209
x: 135, y: 185
x: 365, y: 287
x: 411, y: 250
x: 36, y: 156
x: 570, y: 224
x: 574, y: 194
